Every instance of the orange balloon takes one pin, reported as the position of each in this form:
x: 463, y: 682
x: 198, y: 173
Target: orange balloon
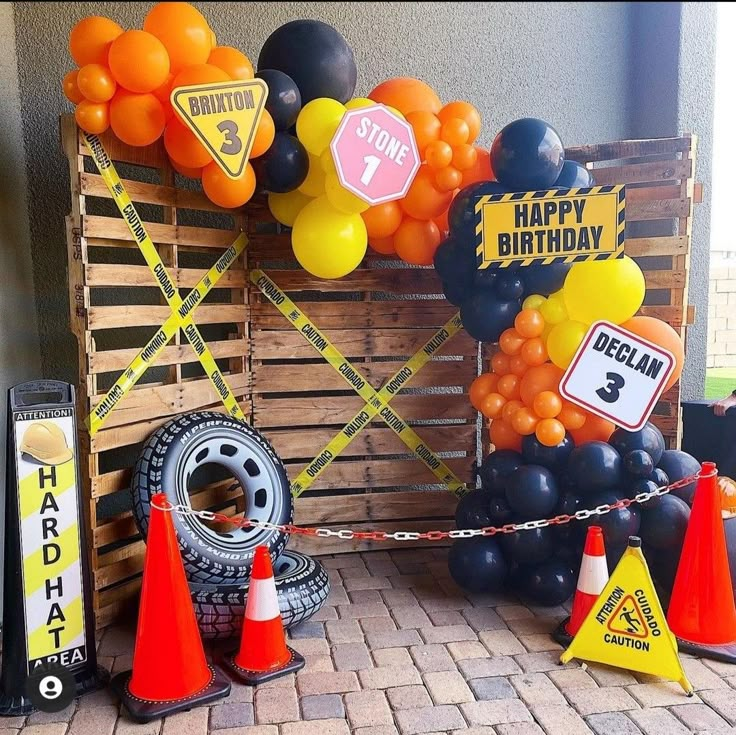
x: 534, y: 352
x: 571, y: 416
x: 504, y: 437
x: 96, y: 83
x: 265, y: 133
x: 199, y: 74
x: 226, y: 192
x: 416, y: 241
x: 93, y: 117
x: 442, y: 222
x: 184, y: 32
x: 163, y: 95
x: 426, y: 127
x: 484, y: 384
x: 233, y: 62
x: 137, y: 119
x: 448, y: 179
x: 510, y: 342
x: 190, y: 173
x: 509, y: 409
x: 547, y: 404
x: 382, y: 220
x: 595, y: 429
x: 423, y: 200
x: 550, y: 432
x: 183, y: 147
x: 71, y: 90
x: 464, y: 157
x: 500, y: 364
x: 438, y: 154
x: 90, y: 39
x: 508, y: 386
x: 524, y: 421
x: 539, y: 378
x: 138, y: 61
x: 529, y: 323
x: 481, y: 169
x: 406, y: 95
x: 464, y: 111
x: 492, y: 405
x: 455, y: 131
x: 517, y: 365
x: 663, y: 335
x: 383, y: 245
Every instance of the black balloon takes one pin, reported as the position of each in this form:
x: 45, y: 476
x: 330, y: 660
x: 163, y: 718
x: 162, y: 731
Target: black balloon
x: 455, y: 293
x: 574, y: 175
x: 532, y: 491
x: 462, y: 217
x: 284, y: 100
x: 527, y: 154
x: 550, y: 583
x: 283, y: 167
x: 477, y: 564
x: 315, y: 56
x: 508, y: 286
x: 638, y: 463
x: 496, y: 468
x: 472, y: 510
x: 649, y: 439
x: 455, y: 262
x: 659, y: 476
x: 499, y: 511
x: 485, y: 278
x: 664, y: 527
x: 544, y: 279
x: 553, y: 458
x: 485, y: 316
x: 679, y: 465
x: 595, y: 466
x: 643, y: 485
x: 528, y: 547
x: 617, y: 524
x: 565, y: 533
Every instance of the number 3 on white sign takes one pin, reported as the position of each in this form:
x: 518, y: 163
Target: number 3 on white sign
x: 611, y: 392
x: 371, y: 166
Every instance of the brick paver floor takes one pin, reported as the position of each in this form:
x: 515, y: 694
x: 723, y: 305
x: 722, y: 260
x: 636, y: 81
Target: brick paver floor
x: 400, y: 650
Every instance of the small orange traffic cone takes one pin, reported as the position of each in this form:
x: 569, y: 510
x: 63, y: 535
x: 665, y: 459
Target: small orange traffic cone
x: 263, y: 653
x: 591, y: 581
x: 170, y: 671
x: 702, y: 614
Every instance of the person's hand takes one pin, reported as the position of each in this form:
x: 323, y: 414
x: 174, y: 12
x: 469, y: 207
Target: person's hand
x: 720, y: 407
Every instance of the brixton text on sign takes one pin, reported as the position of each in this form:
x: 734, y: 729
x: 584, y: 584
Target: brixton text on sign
x: 375, y: 154
x: 224, y: 117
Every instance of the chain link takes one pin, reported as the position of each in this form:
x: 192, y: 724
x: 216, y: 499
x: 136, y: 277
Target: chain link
x: 347, y: 534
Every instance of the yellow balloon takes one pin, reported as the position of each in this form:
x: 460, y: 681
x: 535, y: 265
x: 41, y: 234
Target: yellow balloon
x: 343, y: 199
x: 317, y: 123
x: 534, y: 301
x: 553, y: 310
x: 285, y: 207
x: 327, y: 162
x: 358, y: 102
x: 612, y: 290
x: 564, y: 340
x: 328, y: 243
x: 314, y: 184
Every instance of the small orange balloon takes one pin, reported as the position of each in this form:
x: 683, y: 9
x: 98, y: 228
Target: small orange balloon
x: 265, y: 133
x: 538, y: 379
x: 455, y: 131
x: 550, y: 432
x: 509, y: 409
x: 163, y: 95
x: 383, y: 245
x: 138, y: 61
x: 199, y: 74
x: 406, y: 95
x: 226, y: 192
x: 571, y: 416
x: 90, y: 39
x: 529, y: 323
x: 190, y: 173
x: 484, y: 384
x: 183, y: 147
x: 382, y: 220
x: 438, y: 154
x: 504, y: 437
x: 416, y: 241
x: 517, y: 365
x: 547, y: 404
x: 96, y: 83
x: 464, y: 157
x: 534, y: 352
x: 500, y: 364
x: 481, y: 170
x: 464, y: 111
x: 492, y: 405
x: 233, y: 62
x: 424, y: 200
x: 510, y: 342
x: 93, y: 117
x: 595, y: 429
x: 71, y: 90
x: 524, y: 421
x: 508, y: 386
x: 426, y: 127
x: 137, y: 119
x: 448, y: 179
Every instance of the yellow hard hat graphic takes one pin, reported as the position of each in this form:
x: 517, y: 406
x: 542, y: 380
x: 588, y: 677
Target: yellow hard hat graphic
x: 46, y: 442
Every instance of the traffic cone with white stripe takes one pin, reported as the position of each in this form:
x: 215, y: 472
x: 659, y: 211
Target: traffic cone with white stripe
x: 591, y: 581
x: 263, y: 653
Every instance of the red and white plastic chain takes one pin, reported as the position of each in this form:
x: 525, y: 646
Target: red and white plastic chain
x: 349, y: 535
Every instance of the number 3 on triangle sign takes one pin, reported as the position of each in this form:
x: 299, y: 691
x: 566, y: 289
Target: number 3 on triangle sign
x: 224, y: 117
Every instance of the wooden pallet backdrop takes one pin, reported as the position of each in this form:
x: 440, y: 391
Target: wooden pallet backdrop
x: 377, y: 316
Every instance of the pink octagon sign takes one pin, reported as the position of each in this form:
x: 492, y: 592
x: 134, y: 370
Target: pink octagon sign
x: 375, y: 154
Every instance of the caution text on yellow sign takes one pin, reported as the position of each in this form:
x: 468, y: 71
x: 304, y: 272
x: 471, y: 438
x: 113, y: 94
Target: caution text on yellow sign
x: 224, y: 117
x: 554, y: 226
x: 627, y: 628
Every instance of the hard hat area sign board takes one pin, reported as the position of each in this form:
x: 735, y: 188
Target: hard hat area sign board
x: 375, y: 154
x: 617, y: 375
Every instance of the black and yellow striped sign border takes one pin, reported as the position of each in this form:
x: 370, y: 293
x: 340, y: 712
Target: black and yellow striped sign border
x: 619, y: 189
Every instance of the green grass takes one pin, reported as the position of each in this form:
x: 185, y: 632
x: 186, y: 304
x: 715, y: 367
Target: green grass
x: 719, y: 382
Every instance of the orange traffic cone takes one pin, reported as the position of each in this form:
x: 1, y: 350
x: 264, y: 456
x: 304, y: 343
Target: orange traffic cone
x: 170, y: 672
x: 702, y: 614
x: 263, y: 653
x: 591, y: 581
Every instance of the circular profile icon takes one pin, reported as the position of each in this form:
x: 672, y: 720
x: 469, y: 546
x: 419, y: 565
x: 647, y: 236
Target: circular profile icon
x: 51, y: 688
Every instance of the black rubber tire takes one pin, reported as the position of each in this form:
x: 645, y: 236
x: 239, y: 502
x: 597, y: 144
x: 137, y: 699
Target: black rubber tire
x: 166, y: 463
x: 302, y: 586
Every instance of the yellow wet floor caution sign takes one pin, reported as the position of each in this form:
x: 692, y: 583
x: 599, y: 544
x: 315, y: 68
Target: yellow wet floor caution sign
x: 626, y: 627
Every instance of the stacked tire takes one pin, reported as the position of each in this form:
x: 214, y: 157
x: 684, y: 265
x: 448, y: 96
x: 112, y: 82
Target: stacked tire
x: 218, y: 564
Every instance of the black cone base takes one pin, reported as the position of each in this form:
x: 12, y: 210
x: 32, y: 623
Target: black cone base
x: 253, y: 678
x: 143, y: 710
x: 726, y: 653
x: 560, y: 634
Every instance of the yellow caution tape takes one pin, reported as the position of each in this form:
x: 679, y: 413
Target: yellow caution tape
x: 182, y: 309
x: 376, y: 402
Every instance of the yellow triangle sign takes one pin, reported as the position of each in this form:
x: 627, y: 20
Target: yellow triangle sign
x: 626, y: 627
x: 224, y: 117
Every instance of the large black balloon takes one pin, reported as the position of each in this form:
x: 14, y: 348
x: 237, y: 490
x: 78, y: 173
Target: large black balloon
x: 527, y: 154
x: 496, y: 468
x: 315, y: 56
x: 550, y: 583
x: 472, y: 510
x: 462, y: 217
x: 528, y: 547
x: 456, y: 293
x: 595, y: 466
x: 544, y: 279
x: 499, y: 511
x: 477, y: 564
x: 664, y: 527
x: 532, y: 491
x: 553, y: 458
x: 574, y: 175
x: 283, y: 167
x: 485, y: 316
x: 455, y: 262
x: 649, y: 439
x: 284, y: 100
x: 617, y: 524
x: 679, y: 465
